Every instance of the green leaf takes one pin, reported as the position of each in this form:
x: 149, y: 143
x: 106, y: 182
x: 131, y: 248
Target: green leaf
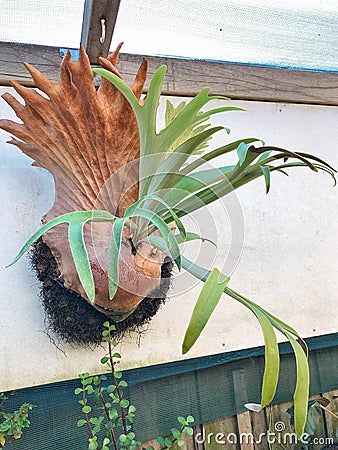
x: 114, y: 252
x: 131, y: 409
x: 134, y: 208
x: 124, y: 403
x: 188, y: 430
x: 76, y: 221
x: 181, y: 420
x: 78, y: 391
x: 266, y: 173
x: 81, y: 261
x: 190, y: 184
x: 263, y: 157
x: 165, y: 231
x: 121, y: 86
x: 271, y: 371
x: 176, y: 433
x: 81, y: 422
x: 167, y: 172
x: 72, y: 217
x: 192, y: 237
x: 271, y: 355
x: 123, y: 438
x: 205, y: 305
x: 216, y: 153
x: 168, y: 442
x: 86, y: 409
x: 160, y: 440
x: 242, y: 151
x: 170, y: 114
x: 301, y: 395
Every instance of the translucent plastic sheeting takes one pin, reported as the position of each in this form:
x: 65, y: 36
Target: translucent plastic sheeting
x: 292, y: 33
x: 42, y: 22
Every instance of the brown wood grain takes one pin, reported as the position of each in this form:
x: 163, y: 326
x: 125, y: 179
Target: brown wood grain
x: 221, y: 434
x: 187, y: 77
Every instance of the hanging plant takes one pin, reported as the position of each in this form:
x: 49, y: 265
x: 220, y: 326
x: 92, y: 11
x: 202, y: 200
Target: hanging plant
x: 108, y: 245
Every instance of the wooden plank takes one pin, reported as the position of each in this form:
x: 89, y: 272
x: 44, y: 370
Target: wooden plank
x: 96, y: 36
x: 189, y: 442
x: 284, y: 434
x: 221, y: 434
x: 198, y: 434
x: 187, y: 77
x: 259, y: 429
x: 281, y: 434
x: 330, y: 421
x: 244, y: 419
x: 46, y: 59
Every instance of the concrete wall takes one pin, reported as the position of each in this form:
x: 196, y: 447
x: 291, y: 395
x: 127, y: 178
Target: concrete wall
x: 288, y: 262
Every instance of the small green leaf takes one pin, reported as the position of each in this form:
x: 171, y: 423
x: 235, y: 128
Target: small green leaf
x: 104, y: 360
x: 168, y: 442
x: 160, y: 440
x: 123, y: 438
x: 176, y: 433
x: 78, y: 391
x: 86, y: 409
x: 242, y: 151
x: 113, y: 414
x: 205, y: 305
x: 81, y: 422
x: 124, y: 403
x: 266, y: 173
x: 188, y: 430
x: 81, y: 261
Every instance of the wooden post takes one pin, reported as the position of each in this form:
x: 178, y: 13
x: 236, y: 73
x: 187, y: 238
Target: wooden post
x: 99, y: 19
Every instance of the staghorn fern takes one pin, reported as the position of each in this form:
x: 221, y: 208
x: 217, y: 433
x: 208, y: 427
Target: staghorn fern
x: 171, y: 185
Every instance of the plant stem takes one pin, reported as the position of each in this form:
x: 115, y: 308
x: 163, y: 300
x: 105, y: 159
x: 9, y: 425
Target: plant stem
x: 6, y: 398
x: 173, y: 441
x: 108, y: 418
x: 124, y: 421
x: 86, y: 414
x: 329, y: 412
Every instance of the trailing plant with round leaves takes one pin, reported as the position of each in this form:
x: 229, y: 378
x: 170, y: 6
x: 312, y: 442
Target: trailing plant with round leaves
x: 12, y: 424
x: 171, y: 186
x: 112, y: 427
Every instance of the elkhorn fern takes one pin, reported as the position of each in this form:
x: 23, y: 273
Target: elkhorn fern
x: 136, y: 224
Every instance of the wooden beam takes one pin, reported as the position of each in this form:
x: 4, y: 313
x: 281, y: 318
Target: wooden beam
x: 187, y: 77
x: 238, y: 81
x: 99, y: 19
x: 12, y: 56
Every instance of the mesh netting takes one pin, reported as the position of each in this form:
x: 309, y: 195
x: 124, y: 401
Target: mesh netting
x: 204, y: 387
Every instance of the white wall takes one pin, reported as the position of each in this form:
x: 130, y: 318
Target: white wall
x: 288, y: 264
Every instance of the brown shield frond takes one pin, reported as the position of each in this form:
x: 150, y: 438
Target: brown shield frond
x: 84, y: 136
